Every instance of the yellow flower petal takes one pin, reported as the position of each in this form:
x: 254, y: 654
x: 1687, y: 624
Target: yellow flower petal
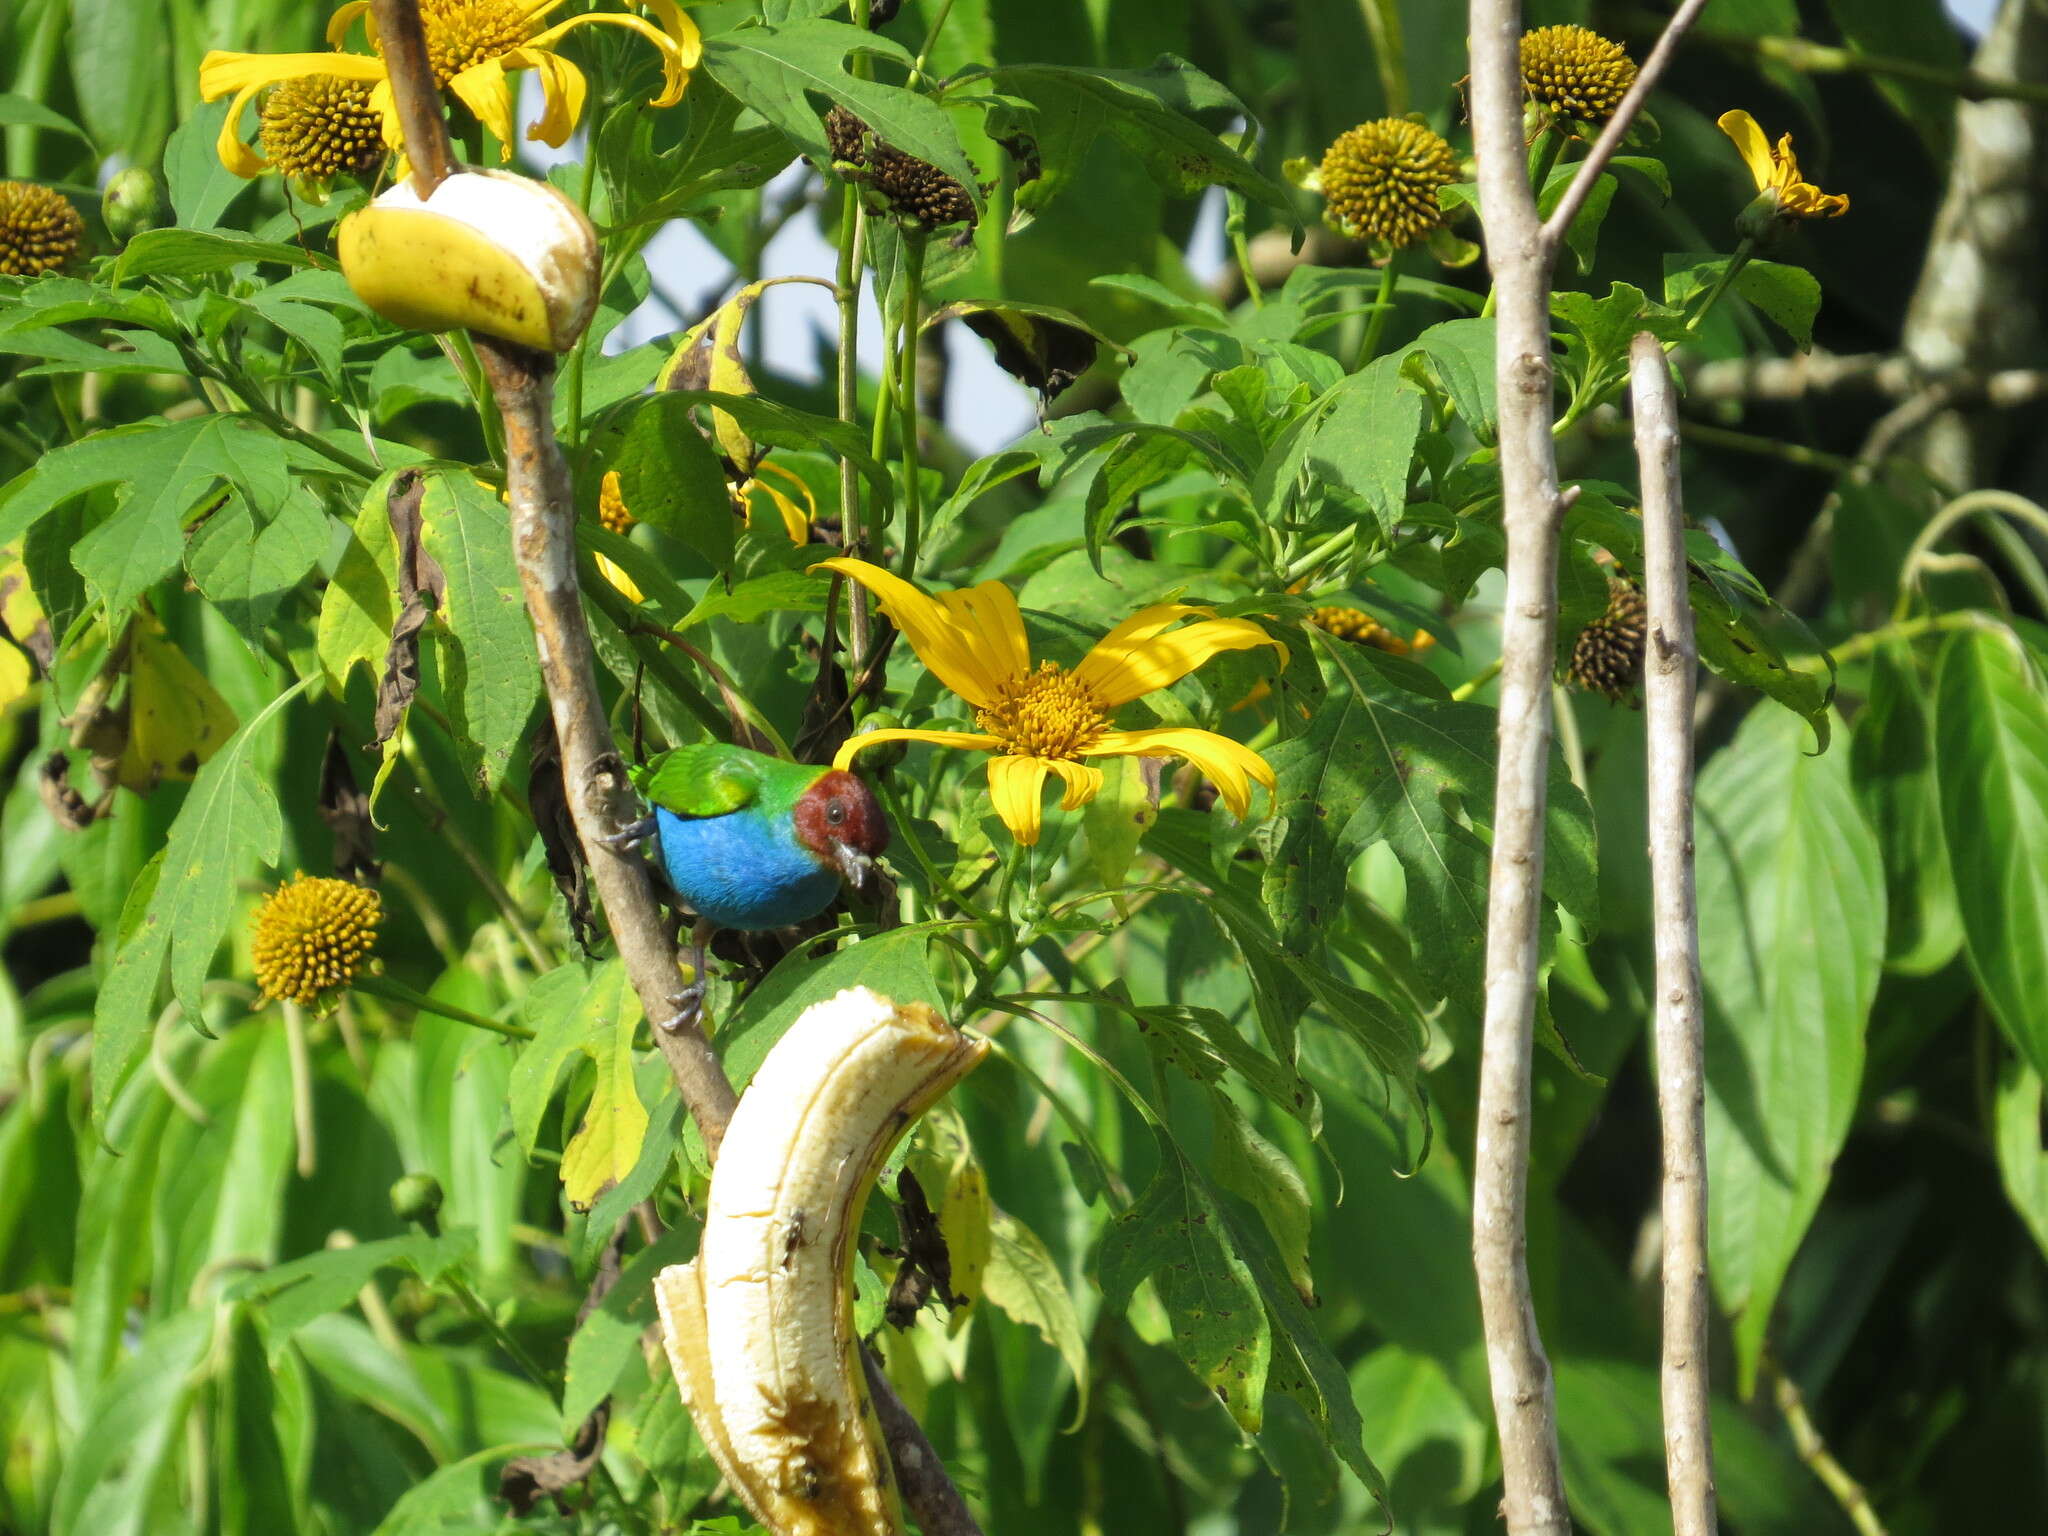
x: 1013, y: 786
x: 1751, y: 144
x: 796, y: 521
x: 1083, y: 782
x: 688, y: 40
x: 1230, y: 765
x: 563, y: 91
x: 484, y: 89
x: 991, y: 627
x: 242, y: 75
x: 855, y: 745
x: 338, y: 24
x: 675, y: 75
x: 618, y: 578
x: 1141, y: 654
x: 958, y: 658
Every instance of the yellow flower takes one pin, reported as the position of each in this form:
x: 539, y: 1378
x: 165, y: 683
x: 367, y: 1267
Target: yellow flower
x: 39, y: 230
x: 612, y: 512
x: 1380, y: 180
x: 1046, y: 719
x: 472, y: 45
x: 1777, y: 171
x: 315, y: 127
x: 312, y: 937
x: 1576, y: 71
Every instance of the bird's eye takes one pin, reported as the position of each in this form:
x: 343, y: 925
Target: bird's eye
x: 835, y: 813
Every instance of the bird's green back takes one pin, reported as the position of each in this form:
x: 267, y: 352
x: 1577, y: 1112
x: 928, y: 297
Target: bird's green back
x: 714, y: 779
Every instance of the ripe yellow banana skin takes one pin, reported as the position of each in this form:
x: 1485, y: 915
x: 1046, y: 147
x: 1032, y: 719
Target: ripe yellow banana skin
x: 759, y: 1326
x: 488, y: 251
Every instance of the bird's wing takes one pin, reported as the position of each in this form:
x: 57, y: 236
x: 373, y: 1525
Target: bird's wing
x: 709, y: 779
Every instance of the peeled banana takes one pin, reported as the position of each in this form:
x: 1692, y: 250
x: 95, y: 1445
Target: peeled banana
x: 759, y: 1326
x: 487, y: 251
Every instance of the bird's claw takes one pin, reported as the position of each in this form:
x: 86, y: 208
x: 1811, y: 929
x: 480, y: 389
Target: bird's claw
x: 627, y: 838
x: 689, y: 1004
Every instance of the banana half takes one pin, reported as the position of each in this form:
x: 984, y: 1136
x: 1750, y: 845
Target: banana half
x: 488, y: 251
x: 759, y: 1326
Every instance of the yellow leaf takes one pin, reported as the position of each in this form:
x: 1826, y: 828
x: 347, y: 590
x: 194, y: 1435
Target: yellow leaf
x: 176, y: 718
x: 607, y: 1144
x: 15, y: 674
x: 709, y: 357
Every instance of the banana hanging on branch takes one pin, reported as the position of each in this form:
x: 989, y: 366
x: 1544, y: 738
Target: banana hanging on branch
x: 759, y: 1326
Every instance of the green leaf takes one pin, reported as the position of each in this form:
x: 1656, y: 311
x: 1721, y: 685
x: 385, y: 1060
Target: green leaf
x: 255, y: 1485
x: 129, y: 1431
x: 1790, y: 296
x: 1367, y: 440
x: 121, y: 72
x: 493, y: 672
x: 753, y: 600
x: 1791, y: 903
x: 458, y: 1499
x: 1379, y: 763
x: 1174, y: 1235
x: 1991, y: 763
x: 291, y: 1295
x: 1461, y: 353
x: 194, y: 253
x: 573, y: 1011
x: 1023, y: 1279
x: 1256, y: 1171
x: 201, y: 187
x: 775, y: 70
x: 2022, y: 1159
x: 33, y: 114
x: 1150, y: 111
x: 1141, y: 460
x: 227, y: 827
x: 669, y: 476
x: 609, y: 1335
x: 1734, y: 617
x: 246, y: 570
x: 360, y: 605
x: 1891, y: 758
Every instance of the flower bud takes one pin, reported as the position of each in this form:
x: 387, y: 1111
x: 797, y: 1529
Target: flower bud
x: 487, y: 251
x: 416, y: 1197
x: 889, y: 754
x: 132, y: 202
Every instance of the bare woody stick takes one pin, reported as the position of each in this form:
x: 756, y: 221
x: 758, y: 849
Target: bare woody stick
x: 593, y: 773
x: 1670, y: 666
x: 1521, y: 251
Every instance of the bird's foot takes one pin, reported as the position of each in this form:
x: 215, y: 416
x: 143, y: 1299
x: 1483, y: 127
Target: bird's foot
x: 627, y: 838
x: 689, y: 1006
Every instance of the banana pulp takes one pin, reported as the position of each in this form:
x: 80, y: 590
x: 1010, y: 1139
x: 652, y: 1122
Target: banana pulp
x: 759, y: 1326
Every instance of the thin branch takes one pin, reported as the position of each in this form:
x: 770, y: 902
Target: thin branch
x: 1671, y: 664
x: 1814, y: 1452
x: 1524, y: 1401
x: 1819, y: 59
x: 1625, y: 114
x: 1894, y: 376
x: 593, y: 773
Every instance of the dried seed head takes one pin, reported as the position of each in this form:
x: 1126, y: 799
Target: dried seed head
x: 1607, y: 658
x: 1576, y: 72
x: 1381, y: 179
x: 913, y: 188
x: 39, y: 230
x: 316, y: 127
x: 312, y: 937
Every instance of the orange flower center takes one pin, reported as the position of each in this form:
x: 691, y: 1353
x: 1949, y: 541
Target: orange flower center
x: 1047, y: 713
x: 461, y: 33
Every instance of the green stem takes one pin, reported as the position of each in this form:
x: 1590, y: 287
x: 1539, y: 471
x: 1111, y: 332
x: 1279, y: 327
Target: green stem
x: 1735, y: 264
x: 625, y: 618
x: 900, y: 823
x: 850, y: 229
x: 1312, y: 562
x: 1376, y: 322
x: 397, y: 992
x: 249, y: 396
x: 1969, y: 504
x: 1817, y: 59
x: 1389, y: 52
x: 464, y: 356
x: 1543, y: 159
x: 906, y: 388
x: 931, y: 37
x: 1478, y: 680
x: 1233, y: 224
x: 1856, y: 647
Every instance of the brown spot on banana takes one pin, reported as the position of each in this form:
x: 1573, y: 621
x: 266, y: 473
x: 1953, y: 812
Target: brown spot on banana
x: 759, y: 1326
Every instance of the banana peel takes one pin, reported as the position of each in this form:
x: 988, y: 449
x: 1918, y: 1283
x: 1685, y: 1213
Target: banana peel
x: 759, y: 1326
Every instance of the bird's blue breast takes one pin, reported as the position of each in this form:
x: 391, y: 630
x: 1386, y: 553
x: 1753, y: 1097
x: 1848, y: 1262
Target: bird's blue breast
x: 744, y: 870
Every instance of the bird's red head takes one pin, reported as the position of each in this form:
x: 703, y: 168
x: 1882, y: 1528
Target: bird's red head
x: 839, y: 819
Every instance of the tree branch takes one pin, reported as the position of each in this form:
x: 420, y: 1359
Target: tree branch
x: 1524, y: 1404
x: 593, y: 773
x: 1890, y: 376
x: 1617, y: 128
x: 1671, y: 663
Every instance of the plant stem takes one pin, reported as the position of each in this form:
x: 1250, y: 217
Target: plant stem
x: 1389, y: 52
x: 906, y: 391
x: 1670, y: 668
x: 1969, y: 504
x: 397, y: 992
x: 1736, y: 263
x: 1818, y: 59
x: 1376, y: 322
x: 1477, y: 680
x: 850, y: 540
x: 1814, y: 1452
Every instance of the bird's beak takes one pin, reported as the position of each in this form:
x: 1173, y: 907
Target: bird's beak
x: 853, y: 864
